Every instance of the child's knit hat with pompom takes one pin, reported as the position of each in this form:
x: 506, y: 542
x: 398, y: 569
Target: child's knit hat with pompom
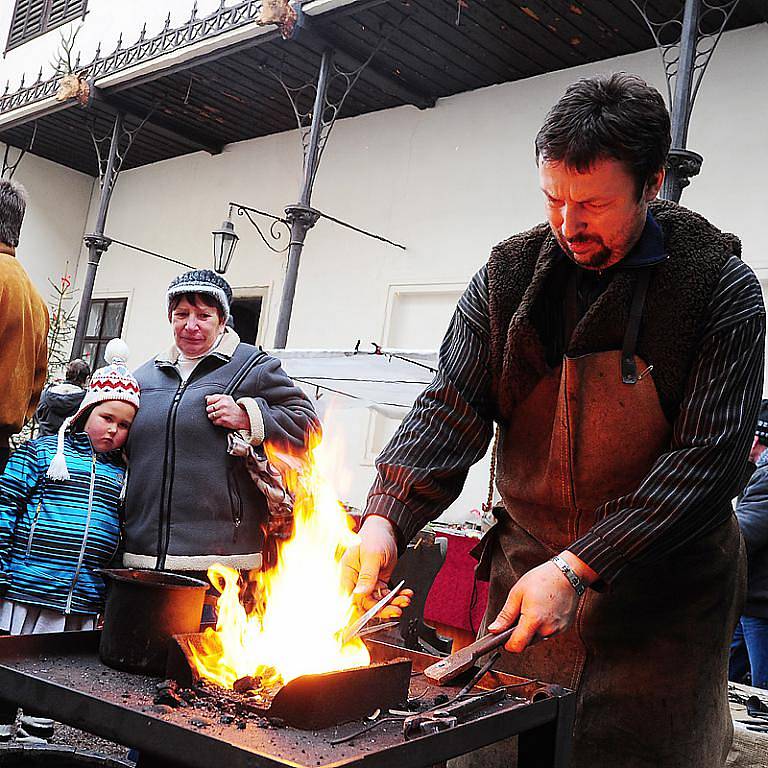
x: 112, y: 382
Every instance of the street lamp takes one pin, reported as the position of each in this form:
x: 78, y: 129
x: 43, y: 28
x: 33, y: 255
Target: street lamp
x: 224, y: 242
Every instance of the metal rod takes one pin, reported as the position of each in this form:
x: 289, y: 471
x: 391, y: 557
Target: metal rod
x: 681, y: 101
x: 358, y: 229
x: 315, y: 131
x: 96, y: 242
x: 681, y: 106
x: 301, y: 217
x: 150, y: 253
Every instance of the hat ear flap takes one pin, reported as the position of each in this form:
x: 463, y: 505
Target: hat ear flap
x: 58, y: 470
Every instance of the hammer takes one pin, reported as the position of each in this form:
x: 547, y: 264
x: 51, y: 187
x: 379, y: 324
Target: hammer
x: 449, y: 668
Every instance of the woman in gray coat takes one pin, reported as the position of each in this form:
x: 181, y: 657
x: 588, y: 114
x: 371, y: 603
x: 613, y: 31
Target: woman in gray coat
x: 188, y: 503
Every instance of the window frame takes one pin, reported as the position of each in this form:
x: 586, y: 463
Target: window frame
x: 45, y: 25
x: 100, y: 338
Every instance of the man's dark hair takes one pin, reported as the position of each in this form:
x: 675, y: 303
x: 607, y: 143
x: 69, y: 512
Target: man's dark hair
x: 77, y: 372
x: 615, y: 116
x: 13, y: 203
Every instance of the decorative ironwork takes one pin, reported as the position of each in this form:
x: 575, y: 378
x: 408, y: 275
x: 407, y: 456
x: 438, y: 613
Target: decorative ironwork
x: 713, y: 17
x: 194, y: 30
x: 274, y: 228
x: 304, y: 101
x: 122, y: 140
x: 686, y: 42
x: 10, y: 166
x: 684, y: 164
x: 118, y: 142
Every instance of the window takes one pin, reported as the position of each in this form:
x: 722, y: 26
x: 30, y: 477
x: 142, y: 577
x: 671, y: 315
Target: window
x: 34, y: 17
x: 246, y: 313
x: 105, y: 322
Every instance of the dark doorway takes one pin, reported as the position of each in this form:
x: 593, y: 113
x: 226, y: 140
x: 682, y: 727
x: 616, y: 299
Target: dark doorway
x: 245, y: 318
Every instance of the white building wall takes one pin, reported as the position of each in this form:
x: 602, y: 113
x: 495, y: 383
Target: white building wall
x: 52, y: 232
x: 447, y: 182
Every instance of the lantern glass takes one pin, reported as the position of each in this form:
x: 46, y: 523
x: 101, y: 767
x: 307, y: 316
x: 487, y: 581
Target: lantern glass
x: 224, y: 242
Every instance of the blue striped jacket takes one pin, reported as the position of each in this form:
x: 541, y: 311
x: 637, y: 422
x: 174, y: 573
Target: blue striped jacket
x: 54, y: 534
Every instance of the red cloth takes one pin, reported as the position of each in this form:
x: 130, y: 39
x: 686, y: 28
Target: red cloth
x: 450, y: 600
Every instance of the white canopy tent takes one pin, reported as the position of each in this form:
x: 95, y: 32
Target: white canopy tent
x: 351, y: 391
x: 386, y: 381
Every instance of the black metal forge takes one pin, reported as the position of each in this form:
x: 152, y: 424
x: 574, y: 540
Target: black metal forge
x: 61, y: 674
x: 312, y: 701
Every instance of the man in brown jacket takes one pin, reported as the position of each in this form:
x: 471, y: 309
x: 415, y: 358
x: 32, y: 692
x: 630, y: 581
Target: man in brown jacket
x: 23, y: 325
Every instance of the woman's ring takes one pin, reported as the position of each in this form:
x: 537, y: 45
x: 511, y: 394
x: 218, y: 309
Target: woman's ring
x: 213, y: 414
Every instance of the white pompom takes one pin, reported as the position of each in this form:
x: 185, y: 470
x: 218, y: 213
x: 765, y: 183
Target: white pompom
x: 58, y: 469
x: 116, y: 352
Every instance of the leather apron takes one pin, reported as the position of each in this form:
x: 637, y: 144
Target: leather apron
x: 647, y: 656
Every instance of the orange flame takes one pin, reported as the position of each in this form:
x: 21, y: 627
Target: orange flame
x: 295, y: 628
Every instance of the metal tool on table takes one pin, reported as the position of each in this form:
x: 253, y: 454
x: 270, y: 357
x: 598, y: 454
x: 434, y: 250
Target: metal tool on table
x: 354, y: 629
x: 449, y: 715
x: 449, y: 668
x: 372, y: 630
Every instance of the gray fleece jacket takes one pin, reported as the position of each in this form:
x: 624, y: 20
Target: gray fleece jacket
x: 752, y: 514
x: 188, y: 503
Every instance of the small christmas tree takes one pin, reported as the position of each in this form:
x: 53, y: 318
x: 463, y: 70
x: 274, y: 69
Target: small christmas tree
x: 62, y: 313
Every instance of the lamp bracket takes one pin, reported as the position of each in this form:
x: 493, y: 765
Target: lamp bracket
x: 278, y: 228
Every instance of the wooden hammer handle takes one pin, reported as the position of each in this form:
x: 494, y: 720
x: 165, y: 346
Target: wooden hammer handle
x: 489, y: 642
x: 449, y: 668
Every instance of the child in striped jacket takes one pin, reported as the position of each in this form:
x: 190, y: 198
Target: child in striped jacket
x: 59, y: 520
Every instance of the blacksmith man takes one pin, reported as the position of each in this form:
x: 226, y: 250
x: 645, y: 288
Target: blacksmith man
x: 619, y: 349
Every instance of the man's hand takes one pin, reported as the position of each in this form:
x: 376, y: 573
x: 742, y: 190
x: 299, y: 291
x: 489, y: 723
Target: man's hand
x: 369, y: 565
x: 224, y: 412
x: 543, y: 603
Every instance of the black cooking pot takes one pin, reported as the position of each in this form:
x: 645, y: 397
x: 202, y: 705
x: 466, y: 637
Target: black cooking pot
x: 144, y: 608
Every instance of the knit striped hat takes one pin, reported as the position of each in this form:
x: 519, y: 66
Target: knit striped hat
x: 203, y: 281
x: 112, y: 382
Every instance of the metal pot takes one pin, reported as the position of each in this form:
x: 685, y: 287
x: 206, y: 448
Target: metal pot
x: 144, y: 609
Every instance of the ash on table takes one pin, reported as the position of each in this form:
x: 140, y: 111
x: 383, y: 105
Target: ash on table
x: 230, y: 706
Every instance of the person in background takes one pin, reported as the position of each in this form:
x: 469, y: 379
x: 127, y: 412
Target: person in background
x: 749, y: 649
x: 59, y: 521
x: 62, y: 399
x: 23, y: 325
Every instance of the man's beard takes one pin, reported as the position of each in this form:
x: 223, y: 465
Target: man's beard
x: 598, y: 259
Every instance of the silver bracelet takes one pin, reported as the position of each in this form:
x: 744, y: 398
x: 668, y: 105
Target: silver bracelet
x: 579, y: 586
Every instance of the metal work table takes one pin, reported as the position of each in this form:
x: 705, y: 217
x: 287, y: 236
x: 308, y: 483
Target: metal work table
x: 61, y: 674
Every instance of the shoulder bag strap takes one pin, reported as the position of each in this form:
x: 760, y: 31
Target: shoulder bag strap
x: 243, y: 371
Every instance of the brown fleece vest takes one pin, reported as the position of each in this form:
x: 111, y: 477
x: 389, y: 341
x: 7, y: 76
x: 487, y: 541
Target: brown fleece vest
x: 674, y: 318
x: 563, y: 453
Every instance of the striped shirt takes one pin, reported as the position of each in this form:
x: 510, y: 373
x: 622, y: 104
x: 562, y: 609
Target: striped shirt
x: 423, y: 468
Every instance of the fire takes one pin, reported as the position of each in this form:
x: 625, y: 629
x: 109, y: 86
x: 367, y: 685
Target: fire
x: 295, y: 627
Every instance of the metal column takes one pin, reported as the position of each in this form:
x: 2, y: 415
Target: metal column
x: 120, y: 140
x: 301, y: 217
x: 682, y: 104
x: 95, y: 241
x: 685, y: 59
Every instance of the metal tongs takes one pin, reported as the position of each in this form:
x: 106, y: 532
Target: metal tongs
x: 355, y: 628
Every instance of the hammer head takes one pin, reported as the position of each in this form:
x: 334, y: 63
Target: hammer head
x: 444, y: 671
